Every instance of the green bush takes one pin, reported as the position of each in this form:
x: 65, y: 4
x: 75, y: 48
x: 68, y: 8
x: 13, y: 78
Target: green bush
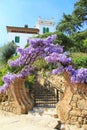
x: 7, y: 51
x: 79, y: 59
x: 85, y: 45
x: 45, y: 35
x: 64, y: 41
x: 1, y: 82
x: 80, y: 41
x: 3, y: 71
x: 30, y: 82
x: 40, y: 63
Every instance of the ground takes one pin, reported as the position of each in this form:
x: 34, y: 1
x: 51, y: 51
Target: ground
x: 38, y: 119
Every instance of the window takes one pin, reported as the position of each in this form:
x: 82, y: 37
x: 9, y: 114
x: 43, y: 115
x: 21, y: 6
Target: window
x: 45, y: 29
x: 17, y: 39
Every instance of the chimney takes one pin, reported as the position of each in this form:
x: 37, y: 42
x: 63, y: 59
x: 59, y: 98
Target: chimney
x: 26, y: 26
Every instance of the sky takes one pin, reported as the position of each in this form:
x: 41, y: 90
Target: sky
x: 20, y: 12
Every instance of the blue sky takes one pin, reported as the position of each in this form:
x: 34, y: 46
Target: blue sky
x: 21, y: 12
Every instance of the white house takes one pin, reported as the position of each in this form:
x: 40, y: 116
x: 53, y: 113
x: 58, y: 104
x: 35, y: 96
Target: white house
x: 20, y: 35
x: 45, y: 25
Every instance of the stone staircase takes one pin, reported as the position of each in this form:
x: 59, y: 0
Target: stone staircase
x: 45, y: 96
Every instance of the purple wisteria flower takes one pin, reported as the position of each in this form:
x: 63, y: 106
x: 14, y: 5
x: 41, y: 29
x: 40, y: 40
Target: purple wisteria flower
x: 80, y: 76
x: 58, y: 70
x: 52, y: 53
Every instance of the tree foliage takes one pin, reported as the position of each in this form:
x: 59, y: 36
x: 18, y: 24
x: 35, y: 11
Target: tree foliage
x: 7, y: 51
x: 69, y: 24
x: 73, y: 23
x: 79, y: 59
x: 79, y: 41
x: 81, y: 10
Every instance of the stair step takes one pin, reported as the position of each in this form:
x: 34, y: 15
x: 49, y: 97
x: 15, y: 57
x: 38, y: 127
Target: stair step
x: 44, y: 96
x: 46, y: 103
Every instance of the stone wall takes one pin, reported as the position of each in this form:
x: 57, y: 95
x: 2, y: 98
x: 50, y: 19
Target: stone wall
x: 72, y: 108
x: 15, y: 98
x: 57, y: 80
x: 51, y: 81
x: 78, y: 113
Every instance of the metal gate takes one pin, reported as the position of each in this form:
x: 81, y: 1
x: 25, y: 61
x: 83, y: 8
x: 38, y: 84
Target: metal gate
x: 46, y: 96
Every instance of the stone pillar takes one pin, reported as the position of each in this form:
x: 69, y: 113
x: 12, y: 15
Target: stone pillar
x: 72, y: 108
x: 17, y: 100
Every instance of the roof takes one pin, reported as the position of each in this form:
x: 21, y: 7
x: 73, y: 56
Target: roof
x: 22, y: 30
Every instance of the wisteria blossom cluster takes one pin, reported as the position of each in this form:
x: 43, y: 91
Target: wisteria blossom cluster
x: 79, y: 76
x: 52, y: 53
x: 76, y: 75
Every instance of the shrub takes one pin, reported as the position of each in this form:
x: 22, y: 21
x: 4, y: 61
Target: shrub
x: 29, y: 82
x: 40, y: 63
x: 7, y: 51
x: 5, y: 69
x: 45, y: 35
x: 79, y: 59
x: 85, y: 45
x: 3, y: 72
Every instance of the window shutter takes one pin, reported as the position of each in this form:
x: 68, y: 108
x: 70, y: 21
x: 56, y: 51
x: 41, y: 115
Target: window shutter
x: 44, y: 30
x: 17, y: 39
x: 47, y: 29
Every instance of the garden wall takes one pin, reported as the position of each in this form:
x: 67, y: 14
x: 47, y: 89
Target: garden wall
x: 72, y: 108
x: 15, y: 98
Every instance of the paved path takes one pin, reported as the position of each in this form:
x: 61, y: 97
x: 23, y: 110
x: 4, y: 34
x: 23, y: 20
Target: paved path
x: 38, y: 119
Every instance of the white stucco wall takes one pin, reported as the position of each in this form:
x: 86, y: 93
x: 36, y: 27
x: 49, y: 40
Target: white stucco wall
x: 51, y: 28
x: 45, y: 23
x: 23, y: 38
